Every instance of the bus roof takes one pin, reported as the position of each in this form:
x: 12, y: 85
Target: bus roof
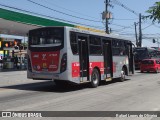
x: 99, y: 33
x: 89, y: 31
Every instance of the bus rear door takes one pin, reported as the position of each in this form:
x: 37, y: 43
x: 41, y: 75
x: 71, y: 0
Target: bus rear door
x: 107, y: 53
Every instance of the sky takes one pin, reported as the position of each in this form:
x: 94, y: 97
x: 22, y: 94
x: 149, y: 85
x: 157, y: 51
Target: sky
x: 89, y: 13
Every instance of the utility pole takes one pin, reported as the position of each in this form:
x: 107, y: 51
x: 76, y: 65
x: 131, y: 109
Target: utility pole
x: 140, y: 32
x: 107, y: 14
x: 136, y: 34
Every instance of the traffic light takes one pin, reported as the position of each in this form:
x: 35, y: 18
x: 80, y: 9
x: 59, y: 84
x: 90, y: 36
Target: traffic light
x: 6, y: 45
x: 154, y: 40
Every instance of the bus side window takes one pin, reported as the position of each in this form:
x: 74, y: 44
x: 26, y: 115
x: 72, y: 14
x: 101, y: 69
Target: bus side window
x: 95, y: 45
x: 73, y: 42
x: 116, y: 51
x: 120, y: 47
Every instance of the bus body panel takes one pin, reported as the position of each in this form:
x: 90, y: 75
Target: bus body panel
x: 118, y: 64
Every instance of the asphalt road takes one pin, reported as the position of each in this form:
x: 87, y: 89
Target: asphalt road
x: 140, y: 92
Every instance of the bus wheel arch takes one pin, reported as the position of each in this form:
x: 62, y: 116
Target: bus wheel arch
x: 95, y: 77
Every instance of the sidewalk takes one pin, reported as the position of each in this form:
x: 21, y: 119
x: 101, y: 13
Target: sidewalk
x: 11, y: 69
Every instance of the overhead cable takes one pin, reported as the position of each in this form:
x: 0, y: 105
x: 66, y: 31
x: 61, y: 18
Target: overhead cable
x: 46, y: 1
x: 125, y: 7
x: 61, y: 12
x: 46, y: 16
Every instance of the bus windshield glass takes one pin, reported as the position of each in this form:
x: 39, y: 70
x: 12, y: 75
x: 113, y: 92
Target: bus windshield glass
x: 48, y: 41
x: 46, y: 38
x: 140, y: 54
x: 145, y: 53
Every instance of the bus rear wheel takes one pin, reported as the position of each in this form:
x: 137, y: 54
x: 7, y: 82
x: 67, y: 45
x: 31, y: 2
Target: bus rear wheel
x: 95, y: 78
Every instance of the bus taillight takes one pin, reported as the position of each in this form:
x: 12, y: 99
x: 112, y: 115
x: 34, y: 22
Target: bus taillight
x: 63, y: 63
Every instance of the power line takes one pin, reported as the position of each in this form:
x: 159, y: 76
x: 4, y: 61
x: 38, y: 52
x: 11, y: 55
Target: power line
x: 156, y: 26
x: 70, y: 10
x: 125, y: 7
x: 46, y: 16
x: 149, y: 39
x: 61, y: 12
x: 121, y: 26
x: 124, y: 19
x: 125, y: 33
x: 152, y: 34
x: 147, y: 26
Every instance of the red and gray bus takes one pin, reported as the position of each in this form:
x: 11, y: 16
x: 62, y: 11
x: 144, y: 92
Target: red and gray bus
x: 75, y: 55
x: 141, y: 53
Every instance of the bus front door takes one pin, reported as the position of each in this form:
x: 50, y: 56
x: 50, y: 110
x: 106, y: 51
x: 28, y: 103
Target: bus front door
x: 83, y: 57
x: 107, y: 53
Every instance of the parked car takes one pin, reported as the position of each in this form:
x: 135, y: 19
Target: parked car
x: 150, y: 65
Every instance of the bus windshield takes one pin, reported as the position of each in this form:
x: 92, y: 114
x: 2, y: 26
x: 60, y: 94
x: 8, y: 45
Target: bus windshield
x: 48, y: 41
x: 46, y: 38
x: 145, y: 53
x: 140, y: 54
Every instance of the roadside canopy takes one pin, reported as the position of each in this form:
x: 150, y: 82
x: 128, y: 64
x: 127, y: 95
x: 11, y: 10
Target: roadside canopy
x: 15, y: 23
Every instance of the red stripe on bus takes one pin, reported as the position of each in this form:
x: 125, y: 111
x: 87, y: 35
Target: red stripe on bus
x: 92, y: 65
x: 114, y: 67
x: 75, y: 69
x: 99, y: 65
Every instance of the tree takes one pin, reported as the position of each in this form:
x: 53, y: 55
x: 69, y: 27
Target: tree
x: 154, y: 12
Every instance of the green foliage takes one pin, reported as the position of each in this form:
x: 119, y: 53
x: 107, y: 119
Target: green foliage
x: 154, y: 12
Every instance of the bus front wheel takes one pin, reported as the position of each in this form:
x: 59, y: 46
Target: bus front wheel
x: 95, y: 78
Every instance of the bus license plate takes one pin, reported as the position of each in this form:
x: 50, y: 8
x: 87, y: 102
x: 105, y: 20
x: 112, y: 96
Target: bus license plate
x: 46, y: 70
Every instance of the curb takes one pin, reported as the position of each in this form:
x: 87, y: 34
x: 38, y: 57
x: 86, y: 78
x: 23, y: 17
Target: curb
x: 10, y: 70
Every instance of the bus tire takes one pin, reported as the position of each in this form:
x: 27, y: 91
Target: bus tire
x: 123, y: 75
x: 95, y: 78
